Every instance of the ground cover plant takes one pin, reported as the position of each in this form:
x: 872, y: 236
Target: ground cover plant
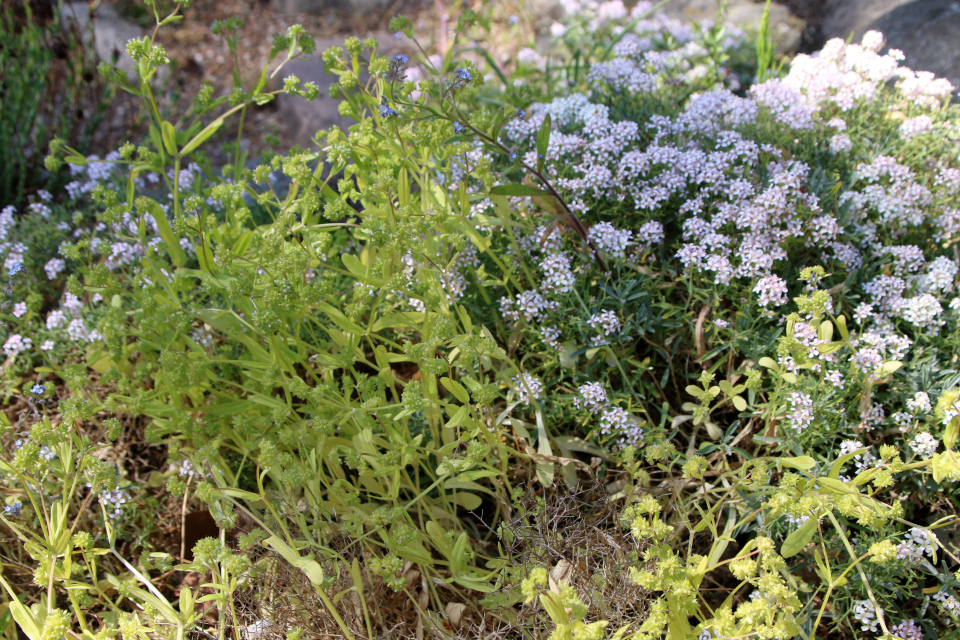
x: 646, y: 336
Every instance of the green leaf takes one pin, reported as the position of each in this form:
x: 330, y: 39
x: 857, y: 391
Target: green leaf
x: 169, y: 135
x: 456, y: 389
x: 340, y: 319
x: 469, y: 501
x: 21, y: 614
x: 242, y: 243
x: 825, y: 332
x: 567, y: 360
x: 543, y: 137
x: 201, y: 137
x: 156, y: 139
x: 694, y: 390
x: 545, y: 471
x: 804, y: 463
x: 769, y: 363
x: 312, y: 569
x: 838, y: 465
x: 950, y: 435
x: 831, y: 347
x: 171, y: 241
x: 832, y: 485
x: 517, y: 190
x: 797, y: 540
x: 739, y: 403
x: 842, y: 327
x: 354, y: 265
x: 889, y: 367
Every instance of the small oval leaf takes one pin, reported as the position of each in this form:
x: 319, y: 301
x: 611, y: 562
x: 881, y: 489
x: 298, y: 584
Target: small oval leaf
x: 797, y: 540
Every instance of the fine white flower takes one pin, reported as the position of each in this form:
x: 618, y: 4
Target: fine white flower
x: 16, y: 344
x: 772, y: 290
x: 924, y: 444
x: 919, y: 403
x: 528, y: 388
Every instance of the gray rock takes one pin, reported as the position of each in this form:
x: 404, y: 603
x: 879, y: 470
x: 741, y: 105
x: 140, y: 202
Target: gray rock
x: 925, y: 30
x: 785, y: 27
x: 843, y: 17
x: 108, y: 30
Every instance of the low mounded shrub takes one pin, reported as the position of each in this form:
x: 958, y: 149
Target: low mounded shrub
x: 656, y: 338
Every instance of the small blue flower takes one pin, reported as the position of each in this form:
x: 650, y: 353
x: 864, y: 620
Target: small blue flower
x: 16, y: 268
x: 457, y: 127
x: 12, y: 511
x: 38, y: 389
x: 513, y: 155
x: 386, y: 111
x: 520, y: 114
x: 401, y: 59
x: 463, y: 74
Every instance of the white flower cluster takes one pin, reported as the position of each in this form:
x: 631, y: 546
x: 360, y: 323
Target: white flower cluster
x: 913, y: 127
x: 864, y: 460
x: 842, y: 75
x: 558, y: 277
x: 94, y: 172
x: 907, y: 630
x: 592, y: 396
x: 872, y: 417
x: 551, y: 337
x: 606, y: 321
x: 947, y: 602
x: 114, y: 500
x: 924, y: 444
x: 916, y: 544
x: 772, y: 290
x: 53, y: 267
x: 16, y: 344
x: 868, y: 616
x: 923, y: 311
x: 531, y: 305
x: 801, y: 410
x: 616, y: 421
x: 610, y: 239
x: 528, y: 388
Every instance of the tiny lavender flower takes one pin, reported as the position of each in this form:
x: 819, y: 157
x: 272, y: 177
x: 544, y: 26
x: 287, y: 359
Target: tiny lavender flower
x: 772, y: 290
x: 528, y: 387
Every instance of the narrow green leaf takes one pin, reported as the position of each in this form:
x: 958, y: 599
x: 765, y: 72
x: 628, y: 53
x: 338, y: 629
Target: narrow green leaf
x: 517, y: 190
x: 543, y: 138
x: 202, y: 137
x: 456, y: 389
x: 170, y: 239
x: 169, y: 135
x: 804, y: 463
x: 797, y: 540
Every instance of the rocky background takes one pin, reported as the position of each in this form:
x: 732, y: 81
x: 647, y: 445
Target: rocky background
x: 925, y: 30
